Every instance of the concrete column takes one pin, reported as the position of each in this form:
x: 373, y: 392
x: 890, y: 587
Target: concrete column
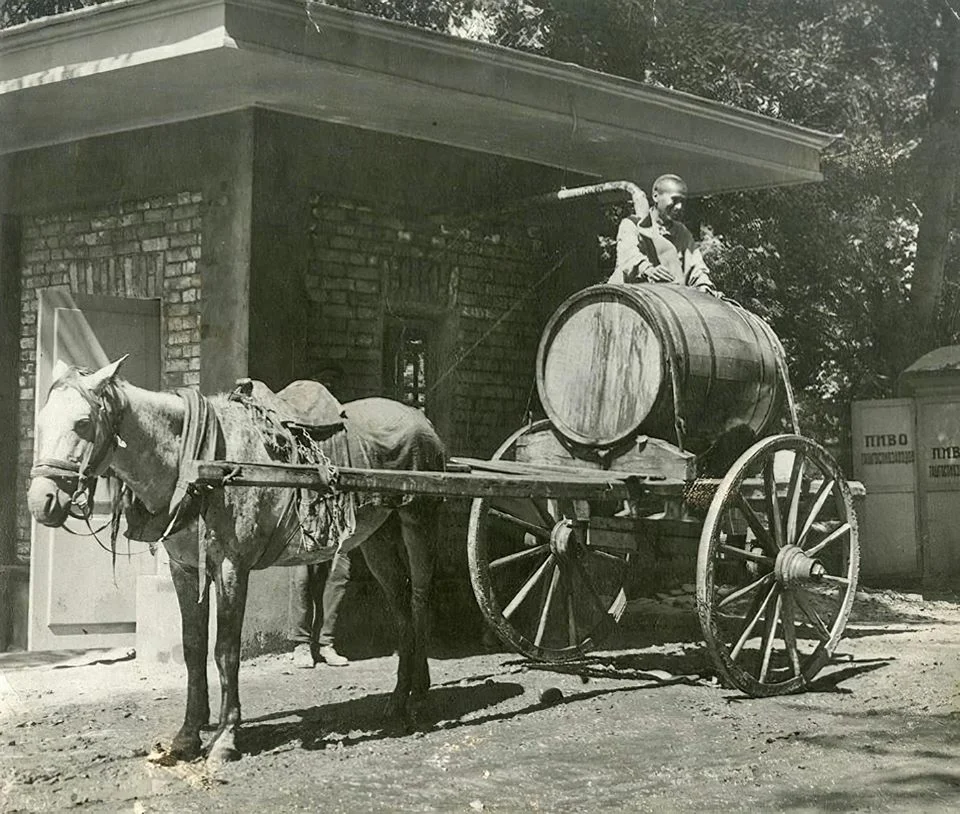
x: 11, y: 573
x: 225, y: 263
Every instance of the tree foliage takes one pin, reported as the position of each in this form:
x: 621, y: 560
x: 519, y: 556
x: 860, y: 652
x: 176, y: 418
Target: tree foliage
x: 856, y: 281
x: 859, y: 274
x: 14, y: 12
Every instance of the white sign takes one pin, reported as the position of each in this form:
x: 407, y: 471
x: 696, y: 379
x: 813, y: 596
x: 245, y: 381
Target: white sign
x: 884, y: 446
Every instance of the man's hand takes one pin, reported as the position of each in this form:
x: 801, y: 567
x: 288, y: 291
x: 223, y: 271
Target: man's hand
x: 658, y: 274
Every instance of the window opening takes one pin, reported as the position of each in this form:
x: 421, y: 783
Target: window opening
x: 408, y: 349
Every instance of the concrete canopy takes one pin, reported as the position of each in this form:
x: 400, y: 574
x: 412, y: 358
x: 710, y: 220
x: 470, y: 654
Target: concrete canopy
x: 137, y: 63
x: 938, y: 369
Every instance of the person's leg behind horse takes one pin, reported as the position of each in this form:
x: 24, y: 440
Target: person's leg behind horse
x: 303, y: 604
x: 194, y: 621
x: 334, y: 588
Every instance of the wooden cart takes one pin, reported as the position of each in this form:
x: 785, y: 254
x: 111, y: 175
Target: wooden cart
x: 664, y: 429
x: 554, y: 531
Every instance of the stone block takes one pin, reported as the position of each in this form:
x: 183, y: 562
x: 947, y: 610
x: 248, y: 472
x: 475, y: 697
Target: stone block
x: 158, y: 638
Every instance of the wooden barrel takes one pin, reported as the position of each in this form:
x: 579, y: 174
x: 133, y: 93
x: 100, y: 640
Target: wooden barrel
x: 663, y: 360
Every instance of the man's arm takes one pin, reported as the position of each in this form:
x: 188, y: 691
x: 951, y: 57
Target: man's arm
x: 698, y: 275
x: 632, y: 264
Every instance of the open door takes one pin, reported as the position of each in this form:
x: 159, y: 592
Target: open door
x: 76, y: 598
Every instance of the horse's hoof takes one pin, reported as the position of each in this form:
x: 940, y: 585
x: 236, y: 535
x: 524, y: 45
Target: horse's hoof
x: 164, y: 757
x: 182, y: 748
x: 185, y: 748
x: 222, y: 754
x: 223, y: 747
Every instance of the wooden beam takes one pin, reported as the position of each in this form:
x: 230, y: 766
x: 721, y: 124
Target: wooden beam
x: 539, y: 470
x: 445, y: 484
x: 505, y: 481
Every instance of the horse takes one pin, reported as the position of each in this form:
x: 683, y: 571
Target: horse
x: 96, y: 422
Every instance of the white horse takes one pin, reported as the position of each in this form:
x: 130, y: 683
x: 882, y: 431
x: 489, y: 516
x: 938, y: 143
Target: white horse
x: 96, y: 422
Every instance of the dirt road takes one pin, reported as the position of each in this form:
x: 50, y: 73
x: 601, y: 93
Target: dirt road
x: 644, y: 727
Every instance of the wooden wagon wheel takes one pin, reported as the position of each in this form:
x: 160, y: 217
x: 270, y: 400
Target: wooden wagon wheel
x: 777, y: 566
x: 540, y: 585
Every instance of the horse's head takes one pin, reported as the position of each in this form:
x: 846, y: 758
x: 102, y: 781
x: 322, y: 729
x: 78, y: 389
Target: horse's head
x: 75, y: 439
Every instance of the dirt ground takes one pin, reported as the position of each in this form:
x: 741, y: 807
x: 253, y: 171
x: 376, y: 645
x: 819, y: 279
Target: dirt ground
x: 641, y: 727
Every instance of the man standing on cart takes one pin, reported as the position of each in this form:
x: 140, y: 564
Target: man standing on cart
x: 658, y: 248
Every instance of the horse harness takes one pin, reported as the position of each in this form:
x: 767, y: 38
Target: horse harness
x: 201, y: 439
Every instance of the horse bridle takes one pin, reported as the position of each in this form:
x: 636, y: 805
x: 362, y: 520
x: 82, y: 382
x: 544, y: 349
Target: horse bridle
x: 107, y: 412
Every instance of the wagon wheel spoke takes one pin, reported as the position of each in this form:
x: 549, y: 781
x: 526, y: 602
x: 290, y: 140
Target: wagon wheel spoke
x: 819, y: 626
x: 833, y: 531
x: 836, y: 580
x: 517, y: 556
x: 548, y: 602
x: 773, y: 610
x: 818, y: 502
x: 573, y: 636
x: 769, y: 636
x: 751, y: 622
x: 755, y: 523
x: 620, y: 559
x: 530, y: 528
x: 772, y: 502
x: 555, y: 510
x: 793, y: 495
x: 742, y: 554
x: 527, y: 587
x: 740, y: 593
x: 592, y: 594
x: 790, y: 632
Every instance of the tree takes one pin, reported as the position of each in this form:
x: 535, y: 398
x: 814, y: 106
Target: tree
x: 867, y: 279
x: 14, y: 12
x: 869, y: 276
x: 941, y: 159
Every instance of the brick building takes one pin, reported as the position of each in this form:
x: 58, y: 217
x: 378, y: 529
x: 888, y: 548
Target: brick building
x: 288, y: 194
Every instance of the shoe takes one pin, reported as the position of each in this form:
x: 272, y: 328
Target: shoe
x: 332, y: 657
x: 302, y: 657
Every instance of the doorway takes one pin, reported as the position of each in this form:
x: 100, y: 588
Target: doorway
x: 77, y: 600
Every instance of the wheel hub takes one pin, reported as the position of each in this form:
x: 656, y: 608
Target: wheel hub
x: 794, y: 566
x: 565, y: 538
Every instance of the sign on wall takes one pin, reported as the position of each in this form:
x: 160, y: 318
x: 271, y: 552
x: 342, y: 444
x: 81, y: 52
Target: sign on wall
x: 885, y: 456
x: 940, y: 444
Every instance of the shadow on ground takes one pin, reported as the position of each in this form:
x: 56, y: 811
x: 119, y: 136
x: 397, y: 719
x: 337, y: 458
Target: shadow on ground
x: 358, y: 720
x: 924, y: 749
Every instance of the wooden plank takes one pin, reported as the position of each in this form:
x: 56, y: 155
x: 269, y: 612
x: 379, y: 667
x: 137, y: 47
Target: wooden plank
x: 446, y: 484
x: 542, y: 470
x: 644, y: 455
x: 635, y: 533
x: 572, y: 484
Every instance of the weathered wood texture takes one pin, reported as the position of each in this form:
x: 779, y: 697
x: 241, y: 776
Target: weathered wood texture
x: 610, y: 356
x: 600, y: 369
x: 643, y: 455
x: 587, y: 486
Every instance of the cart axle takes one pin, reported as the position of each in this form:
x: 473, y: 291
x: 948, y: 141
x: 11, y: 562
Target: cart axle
x: 794, y: 566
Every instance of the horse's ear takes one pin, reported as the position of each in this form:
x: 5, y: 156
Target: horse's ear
x: 60, y: 369
x: 105, y: 374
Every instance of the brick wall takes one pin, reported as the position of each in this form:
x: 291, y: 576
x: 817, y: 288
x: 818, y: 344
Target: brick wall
x: 481, y: 291
x: 136, y: 249
x: 479, y: 287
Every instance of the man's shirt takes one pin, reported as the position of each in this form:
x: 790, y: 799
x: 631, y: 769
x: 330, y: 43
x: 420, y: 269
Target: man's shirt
x: 642, y: 245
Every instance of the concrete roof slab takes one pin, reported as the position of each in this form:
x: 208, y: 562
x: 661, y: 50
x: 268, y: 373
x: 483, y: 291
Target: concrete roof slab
x: 137, y: 63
